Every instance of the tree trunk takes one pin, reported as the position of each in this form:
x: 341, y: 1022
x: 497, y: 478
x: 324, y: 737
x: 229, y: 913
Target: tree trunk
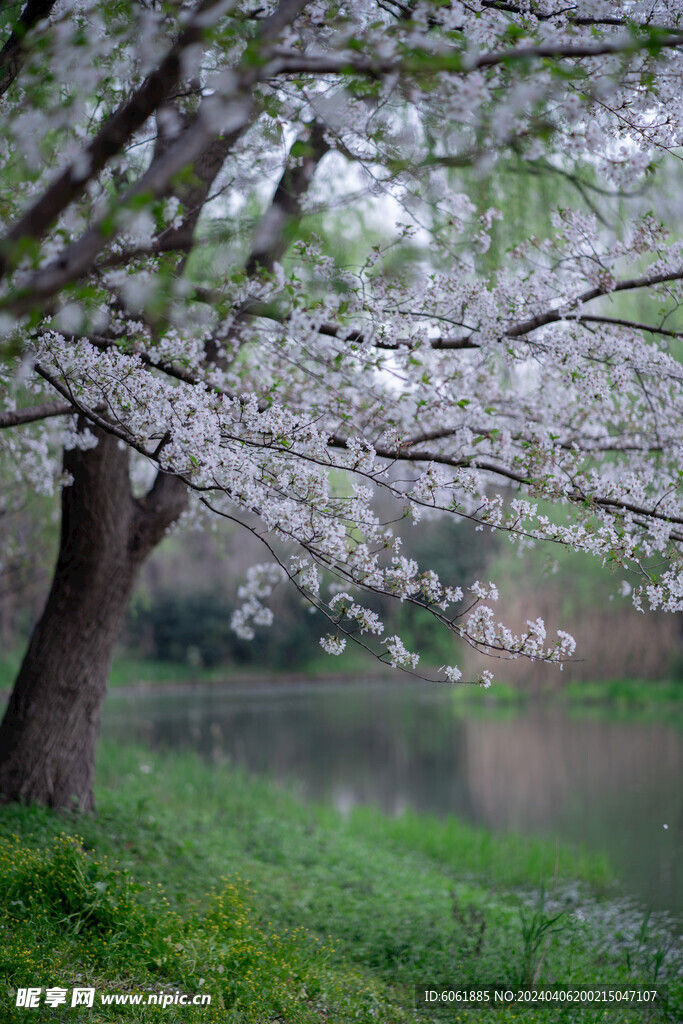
x: 49, y: 732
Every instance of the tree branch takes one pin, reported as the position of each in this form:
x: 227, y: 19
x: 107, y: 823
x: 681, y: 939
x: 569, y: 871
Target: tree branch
x: 403, y: 454
x: 573, y: 19
x: 13, y: 53
x: 33, y: 413
x: 290, y: 62
x: 158, y: 510
x: 634, y: 325
x: 556, y: 316
x: 90, y: 414
x: 271, y: 241
x: 238, y: 110
x: 129, y: 117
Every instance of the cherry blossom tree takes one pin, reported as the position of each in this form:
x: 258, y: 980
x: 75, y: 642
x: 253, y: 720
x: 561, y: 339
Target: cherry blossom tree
x: 179, y: 343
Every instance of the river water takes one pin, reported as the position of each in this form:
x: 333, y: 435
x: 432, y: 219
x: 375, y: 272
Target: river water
x: 613, y: 785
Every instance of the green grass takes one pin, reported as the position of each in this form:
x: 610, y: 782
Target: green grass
x: 129, y: 671
x: 196, y: 878
x: 627, y: 700
x: 633, y: 692
x: 614, y: 699
x: 126, y: 671
x: 505, y: 860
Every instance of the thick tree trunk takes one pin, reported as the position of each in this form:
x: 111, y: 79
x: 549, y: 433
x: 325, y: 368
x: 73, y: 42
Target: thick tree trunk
x: 49, y: 733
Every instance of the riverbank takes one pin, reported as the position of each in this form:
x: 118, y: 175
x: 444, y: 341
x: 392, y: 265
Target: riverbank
x: 195, y: 879
x: 140, y: 675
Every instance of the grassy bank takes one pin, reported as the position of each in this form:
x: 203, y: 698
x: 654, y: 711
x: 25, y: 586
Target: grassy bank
x: 612, y: 699
x: 196, y: 879
x: 128, y: 672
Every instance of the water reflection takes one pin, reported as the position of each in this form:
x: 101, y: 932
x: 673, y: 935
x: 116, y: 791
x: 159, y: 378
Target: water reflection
x: 608, y: 784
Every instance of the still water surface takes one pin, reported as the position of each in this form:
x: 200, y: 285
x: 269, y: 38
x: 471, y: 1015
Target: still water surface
x: 614, y: 786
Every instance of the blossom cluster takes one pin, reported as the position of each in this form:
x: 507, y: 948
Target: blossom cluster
x: 288, y: 388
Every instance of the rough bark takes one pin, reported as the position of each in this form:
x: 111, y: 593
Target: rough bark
x: 49, y: 732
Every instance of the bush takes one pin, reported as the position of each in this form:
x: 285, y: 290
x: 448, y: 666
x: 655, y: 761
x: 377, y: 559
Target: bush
x: 195, y: 628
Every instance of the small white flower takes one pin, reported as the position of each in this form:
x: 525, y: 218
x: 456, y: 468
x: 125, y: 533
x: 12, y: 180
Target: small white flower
x: 333, y: 644
x: 452, y: 673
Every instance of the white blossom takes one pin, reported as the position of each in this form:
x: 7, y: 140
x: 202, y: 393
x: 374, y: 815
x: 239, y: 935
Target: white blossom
x: 289, y: 391
x: 333, y: 644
